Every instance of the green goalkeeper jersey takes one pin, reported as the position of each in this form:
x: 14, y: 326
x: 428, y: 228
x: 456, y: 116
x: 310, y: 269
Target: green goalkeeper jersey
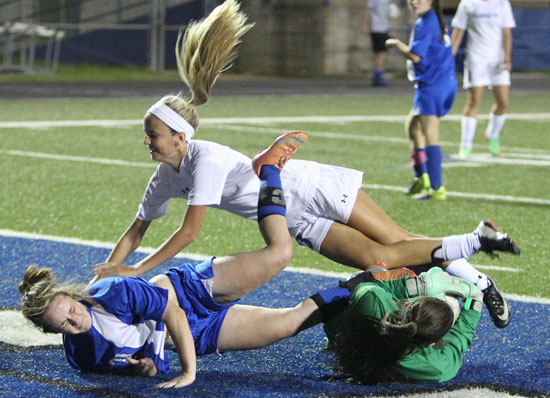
x: 439, y: 362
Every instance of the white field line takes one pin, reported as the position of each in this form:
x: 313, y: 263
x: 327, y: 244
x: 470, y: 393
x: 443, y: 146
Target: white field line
x: 487, y: 158
x: 92, y: 243
x: 195, y: 256
x: 224, y: 123
x: 76, y: 158
x: 530, y: 158
x: 505, y: 198
x: 256, y: 120
x: 537, y: 153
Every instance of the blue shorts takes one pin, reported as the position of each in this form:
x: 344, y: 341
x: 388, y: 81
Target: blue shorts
x: 435, y: 99
x: 204, y: 315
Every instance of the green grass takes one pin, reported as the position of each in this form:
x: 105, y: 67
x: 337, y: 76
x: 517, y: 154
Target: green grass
x: 97, y: 202
x: 90, y: 73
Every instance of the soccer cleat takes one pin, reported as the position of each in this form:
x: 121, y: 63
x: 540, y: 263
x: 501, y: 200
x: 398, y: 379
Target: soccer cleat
x: 396, y: 273
x: 496, y: 305
x: 439, y: 194
x: 379, y: 81
x: 494, y: 146
x: 492, y: 239
x: 280, y: 152
x: 464, y: 153
x: 419, y: 184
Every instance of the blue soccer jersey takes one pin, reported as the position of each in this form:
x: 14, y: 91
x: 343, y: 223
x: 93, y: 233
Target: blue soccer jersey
x: 437, y: 60
x: 126, y: 322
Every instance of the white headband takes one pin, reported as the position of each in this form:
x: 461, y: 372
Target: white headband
x: 172, y: 119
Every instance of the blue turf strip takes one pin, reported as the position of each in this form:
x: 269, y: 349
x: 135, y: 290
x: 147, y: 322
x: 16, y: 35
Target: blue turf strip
x: 514, y: 359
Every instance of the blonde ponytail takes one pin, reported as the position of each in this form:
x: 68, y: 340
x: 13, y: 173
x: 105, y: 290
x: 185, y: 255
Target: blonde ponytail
x: 203, y: 51
x: 37, y: 290
x: 208, y: 47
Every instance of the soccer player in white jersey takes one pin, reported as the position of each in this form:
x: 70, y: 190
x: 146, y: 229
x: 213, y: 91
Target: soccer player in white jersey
x: 376, y: 22
x: 326, y: 208
x: 488, y: 63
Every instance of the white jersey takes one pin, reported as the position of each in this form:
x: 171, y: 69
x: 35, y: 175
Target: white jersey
x: 484, y: 21
x: 379, y: 15
x: 217, y: 176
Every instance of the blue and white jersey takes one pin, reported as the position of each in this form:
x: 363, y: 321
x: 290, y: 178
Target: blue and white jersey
x: 126, y: 322
x: 437, y: 60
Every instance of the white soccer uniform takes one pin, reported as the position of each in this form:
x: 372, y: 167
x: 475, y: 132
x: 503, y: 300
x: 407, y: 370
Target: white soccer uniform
x: 379, y: 15
x: 484, y: 20
x: 217, y: 176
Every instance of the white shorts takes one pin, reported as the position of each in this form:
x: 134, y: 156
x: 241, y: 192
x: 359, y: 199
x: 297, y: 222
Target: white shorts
x: 333, y: 200
x: 485, y: 75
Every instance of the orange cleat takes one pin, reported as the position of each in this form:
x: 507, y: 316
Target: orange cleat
x: 280, y: 152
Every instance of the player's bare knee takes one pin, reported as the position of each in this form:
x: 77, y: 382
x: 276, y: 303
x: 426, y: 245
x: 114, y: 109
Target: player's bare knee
x: 280, y: 255
x: 472, y: 105
x: 500, y: 109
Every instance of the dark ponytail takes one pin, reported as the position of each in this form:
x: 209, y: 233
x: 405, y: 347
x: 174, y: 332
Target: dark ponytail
x: 369, y: 349
x: 437, y: 8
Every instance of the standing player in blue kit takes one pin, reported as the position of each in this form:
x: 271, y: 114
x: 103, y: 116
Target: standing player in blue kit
x: 430, y: 65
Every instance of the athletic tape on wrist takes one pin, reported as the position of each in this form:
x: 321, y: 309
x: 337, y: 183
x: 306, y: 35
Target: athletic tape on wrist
x: 271, y: 196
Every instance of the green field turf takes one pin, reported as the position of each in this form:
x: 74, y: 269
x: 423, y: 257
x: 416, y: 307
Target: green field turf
x: 97, y: 201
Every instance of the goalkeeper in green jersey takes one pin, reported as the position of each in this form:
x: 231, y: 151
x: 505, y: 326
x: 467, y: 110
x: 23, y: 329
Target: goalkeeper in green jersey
x: 413, y: 329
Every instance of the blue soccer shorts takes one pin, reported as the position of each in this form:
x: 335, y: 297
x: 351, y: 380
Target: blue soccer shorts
x: 435, y: 99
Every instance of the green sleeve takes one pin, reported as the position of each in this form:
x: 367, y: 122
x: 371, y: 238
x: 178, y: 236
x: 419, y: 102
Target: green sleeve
x: 396, y: 287
x: 442, y: 361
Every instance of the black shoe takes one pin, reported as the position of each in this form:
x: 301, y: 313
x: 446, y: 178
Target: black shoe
x: 497, y: 306
x: 492, y: 239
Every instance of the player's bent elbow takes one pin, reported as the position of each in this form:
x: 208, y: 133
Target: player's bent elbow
x: 185, y: 237
x: 285, y: 252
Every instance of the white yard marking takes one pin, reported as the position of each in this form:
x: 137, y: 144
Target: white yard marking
x: 51, y: 156
x: 91, y: 243
x: 16, y: 330
x: 199, y: 257
x: 523, y: 160
x: 369, y: 186
x: 504, y: 198
x: 256, y: 120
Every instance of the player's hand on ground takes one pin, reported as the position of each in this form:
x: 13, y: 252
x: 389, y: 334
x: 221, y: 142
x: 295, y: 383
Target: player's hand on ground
x: 182, y: 380
x: 103, y: 270
x: 144, y: 366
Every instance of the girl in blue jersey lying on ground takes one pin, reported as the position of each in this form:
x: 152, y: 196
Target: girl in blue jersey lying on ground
x: 431, y: 65
x: 125, y: 322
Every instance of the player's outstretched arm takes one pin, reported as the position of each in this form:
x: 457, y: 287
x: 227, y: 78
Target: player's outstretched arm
x: 404, y: 49
x: 176, y: 322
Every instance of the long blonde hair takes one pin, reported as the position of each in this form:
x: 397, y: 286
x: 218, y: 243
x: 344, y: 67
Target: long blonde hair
x: 38, y: 288
x: 203, y: 51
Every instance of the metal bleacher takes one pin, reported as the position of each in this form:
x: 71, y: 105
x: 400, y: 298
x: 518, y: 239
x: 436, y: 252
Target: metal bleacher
x: 20, y: 39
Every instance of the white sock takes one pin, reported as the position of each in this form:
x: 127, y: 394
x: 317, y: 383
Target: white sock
x: 495, y: 125
x: 468, y: 131
x: 463, y: 269
x: 457, y: 246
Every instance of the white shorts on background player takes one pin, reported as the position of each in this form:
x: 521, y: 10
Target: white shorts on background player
x: 217, y: 176
x: 485, y: 75
x: 484, y: 21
